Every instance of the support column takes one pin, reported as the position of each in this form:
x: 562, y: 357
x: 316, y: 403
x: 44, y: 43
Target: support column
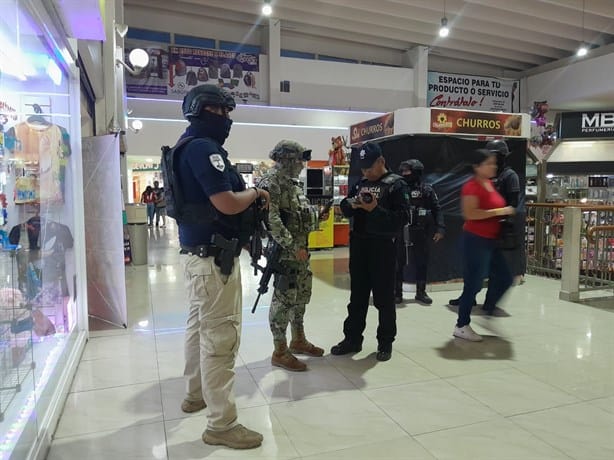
x: 418, y: 59
x: 274, y: 61
x: 570, y: 275
x: 105, y: 106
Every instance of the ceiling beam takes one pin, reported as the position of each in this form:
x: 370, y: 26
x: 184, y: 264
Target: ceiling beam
x: 370, y: 29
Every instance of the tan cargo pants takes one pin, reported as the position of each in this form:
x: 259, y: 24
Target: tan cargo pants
x: 212, y: 338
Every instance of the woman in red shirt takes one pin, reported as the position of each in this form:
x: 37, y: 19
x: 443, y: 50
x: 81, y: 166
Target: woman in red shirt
x: 482, y: 208
x: 149, y: 197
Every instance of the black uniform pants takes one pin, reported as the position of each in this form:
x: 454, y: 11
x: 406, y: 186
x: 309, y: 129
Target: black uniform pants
x: 371, y: 270
x: 418, y: 258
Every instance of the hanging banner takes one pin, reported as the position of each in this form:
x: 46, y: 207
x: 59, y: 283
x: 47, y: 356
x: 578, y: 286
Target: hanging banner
x: 457, y: 91
x: 104, y: 234
x: 189, y: 67
x: 372, y: 129
x: 580, y: 125
x: 481, y: 123
x: 175, y: 71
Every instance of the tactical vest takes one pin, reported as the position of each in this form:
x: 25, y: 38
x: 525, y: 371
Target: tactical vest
x: 420, y: 204
x: 199, y: 213
x: 374, y: 226
x: 297, y: 214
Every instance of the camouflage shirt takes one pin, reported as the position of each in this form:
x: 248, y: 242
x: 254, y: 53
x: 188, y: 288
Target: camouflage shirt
x: 291, y: 217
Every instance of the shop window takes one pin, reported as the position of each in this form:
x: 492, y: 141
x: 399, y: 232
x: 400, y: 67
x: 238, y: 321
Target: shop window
x: 148, y: 35
x: 297, y: 54
x: 239, y: 47
x: 39, y: 145
x: 196, y: 42
x: 323, y: 57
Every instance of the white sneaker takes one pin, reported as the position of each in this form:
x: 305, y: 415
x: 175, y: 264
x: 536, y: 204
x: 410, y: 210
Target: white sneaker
x: 467, y: 333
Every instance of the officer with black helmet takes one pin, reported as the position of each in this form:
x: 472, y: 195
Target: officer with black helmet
x: 210, y: 236
x: 378, y: 207
x: 507, y: 184
x: 413, y: 242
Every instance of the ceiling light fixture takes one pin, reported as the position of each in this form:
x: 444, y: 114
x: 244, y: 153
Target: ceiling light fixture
x: 136, y: 126
x: 583, y: 50
x: 139, y: 59
x: 267, y: 9
x: 444, y: 30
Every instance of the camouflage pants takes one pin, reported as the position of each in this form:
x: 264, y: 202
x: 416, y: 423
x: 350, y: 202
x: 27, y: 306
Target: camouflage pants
x: 288, y: 306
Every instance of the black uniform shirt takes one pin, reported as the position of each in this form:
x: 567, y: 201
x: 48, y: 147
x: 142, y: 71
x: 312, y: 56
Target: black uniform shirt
x: 391, y: 212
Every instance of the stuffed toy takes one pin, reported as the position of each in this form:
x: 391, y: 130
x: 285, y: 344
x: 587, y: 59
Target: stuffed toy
x: 336, y: 155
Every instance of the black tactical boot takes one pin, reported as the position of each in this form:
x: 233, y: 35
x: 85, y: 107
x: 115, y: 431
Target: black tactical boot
x: 421, y: 295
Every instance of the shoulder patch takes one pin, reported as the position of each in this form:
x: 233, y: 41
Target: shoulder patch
x: 217, y: 161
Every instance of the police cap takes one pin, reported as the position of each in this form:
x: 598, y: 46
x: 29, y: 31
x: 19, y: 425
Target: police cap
x: 202, y: 96
x: 368, y: 154
x: 289, y: 150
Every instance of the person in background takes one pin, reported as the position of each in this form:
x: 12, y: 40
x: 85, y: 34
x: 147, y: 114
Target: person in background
x: 424, y: 211
x: 482, y: 207
x: 210, y: 229
x: 160, y: 204
x: 378, y: 207
x: 148, y: 198
x: 507, y: 184
x: 291, y: 219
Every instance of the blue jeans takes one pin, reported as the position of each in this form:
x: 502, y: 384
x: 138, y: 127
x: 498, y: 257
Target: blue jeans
x: 481, y: 259
x: 150, y: 213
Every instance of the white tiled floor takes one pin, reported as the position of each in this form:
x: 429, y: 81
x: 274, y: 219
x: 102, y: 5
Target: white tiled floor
x: 541, y: 385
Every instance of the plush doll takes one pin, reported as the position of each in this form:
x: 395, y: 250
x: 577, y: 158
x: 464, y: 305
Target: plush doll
x: 336, y: 155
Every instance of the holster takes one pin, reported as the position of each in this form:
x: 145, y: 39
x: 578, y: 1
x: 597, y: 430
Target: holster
x: 225, y: 259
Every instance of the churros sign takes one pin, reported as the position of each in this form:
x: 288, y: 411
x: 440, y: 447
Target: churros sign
x: 372, y: 129
x: 467, y: 122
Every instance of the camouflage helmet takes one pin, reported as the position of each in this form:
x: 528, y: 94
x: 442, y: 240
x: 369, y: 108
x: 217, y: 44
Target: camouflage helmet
x: 202, y: 96
x: 289, y: 150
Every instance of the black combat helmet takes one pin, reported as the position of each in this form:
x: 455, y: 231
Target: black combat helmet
x: 202, y: 96
x: 499, y: 147
x: 415, y: 166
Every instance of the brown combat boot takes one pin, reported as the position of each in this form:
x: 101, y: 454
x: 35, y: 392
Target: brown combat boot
x: 283, y: 358
x: 301, y: 346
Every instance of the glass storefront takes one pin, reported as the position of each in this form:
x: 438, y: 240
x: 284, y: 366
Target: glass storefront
x: 41, y: 321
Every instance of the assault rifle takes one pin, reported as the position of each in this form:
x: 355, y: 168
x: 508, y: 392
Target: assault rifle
x: 272, y: 253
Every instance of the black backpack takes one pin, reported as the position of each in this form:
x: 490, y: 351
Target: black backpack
x: 172, y: 190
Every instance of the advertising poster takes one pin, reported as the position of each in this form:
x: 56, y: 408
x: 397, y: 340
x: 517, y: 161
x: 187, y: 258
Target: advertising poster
x: 153, y: 79
x: 189, y: 67
x: 173, y: 72
x: 481, y: 123
x: 470, y: 92
x: 372, y: 129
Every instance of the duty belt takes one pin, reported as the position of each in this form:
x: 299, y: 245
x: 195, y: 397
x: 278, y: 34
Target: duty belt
x: 204, y: 250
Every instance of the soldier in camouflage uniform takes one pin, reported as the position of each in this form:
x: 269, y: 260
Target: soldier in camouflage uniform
x: 291, y: 219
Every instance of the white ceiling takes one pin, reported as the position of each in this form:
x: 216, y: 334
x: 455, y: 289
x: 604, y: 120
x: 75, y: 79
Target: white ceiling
x: 508, y: 35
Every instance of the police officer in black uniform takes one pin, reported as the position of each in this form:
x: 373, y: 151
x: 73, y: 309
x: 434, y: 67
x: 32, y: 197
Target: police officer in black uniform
x: 507, y: 184
x: 378, y: 207
x: 213, y: 205
x: 414, y: 239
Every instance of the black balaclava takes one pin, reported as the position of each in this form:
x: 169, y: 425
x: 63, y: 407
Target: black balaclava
x: 413, y: 178
x: 209, y: 124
